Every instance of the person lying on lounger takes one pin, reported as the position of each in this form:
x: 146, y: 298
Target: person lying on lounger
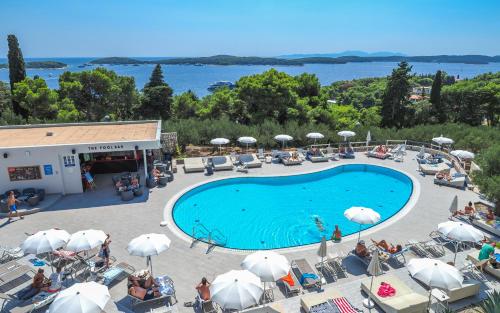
x: 388, y: 248
x: 361, y: 249
x: 443, y: 176
x: 490, y: 216
x: 468, y: 210
x: 143, y: 293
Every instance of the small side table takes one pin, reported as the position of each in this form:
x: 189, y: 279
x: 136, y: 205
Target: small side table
x: 441, y: 297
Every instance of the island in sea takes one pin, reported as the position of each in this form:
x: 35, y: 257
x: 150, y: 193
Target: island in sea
x: 237, y: 60
x: 41, y: 65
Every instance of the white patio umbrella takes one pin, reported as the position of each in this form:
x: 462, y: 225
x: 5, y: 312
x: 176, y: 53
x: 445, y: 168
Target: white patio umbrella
x: 346, y: 134
x: 315, y: 136
x: 269, y: 266
x: 435, y: 274
x: 459, y: 232
x: 463, y: 154
x: 236, y: 290
x: 368, y: 139
x: 443, y: 140
x: 88, y: 297
x: 247, y: 140
x: 219, y: 142
x: 322, y: 252
x: 84, y: 240
x: 148, y: 245
x: 454, y: 205
x: 283, y: 138
x: 362, y: 216
x: 374, y: 269
x: 45, y: 241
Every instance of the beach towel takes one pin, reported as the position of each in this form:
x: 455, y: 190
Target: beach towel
x: 386, y: 290
x: 288, y: 279
x: 165, y: 284
x: 343, y: 305
x: 307, y: 275
x: 111, y: 274
x: 37, y: 262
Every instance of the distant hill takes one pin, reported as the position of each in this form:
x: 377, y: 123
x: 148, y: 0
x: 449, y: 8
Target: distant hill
x: 355, y: 53
x: 41, y: 64
x: 236, y: 60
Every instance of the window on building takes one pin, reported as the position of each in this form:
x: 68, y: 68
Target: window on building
x: 24, y: 173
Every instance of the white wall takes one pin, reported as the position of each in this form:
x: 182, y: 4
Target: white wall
x: 41, y: 156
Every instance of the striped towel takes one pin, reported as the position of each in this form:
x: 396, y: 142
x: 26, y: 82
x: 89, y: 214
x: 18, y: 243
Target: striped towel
x: 343, y: 305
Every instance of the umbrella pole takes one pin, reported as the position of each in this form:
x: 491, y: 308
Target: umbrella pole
x: 430, y: 301
x: 359, y: 233
x: 456, y: 251
x: 50, y: 260
x: 150, y: 265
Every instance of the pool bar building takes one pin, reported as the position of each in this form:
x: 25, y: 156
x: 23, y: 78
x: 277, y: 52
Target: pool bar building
x: 53, y: 156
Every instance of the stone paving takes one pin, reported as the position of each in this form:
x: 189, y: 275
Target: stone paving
x: 102, y: 209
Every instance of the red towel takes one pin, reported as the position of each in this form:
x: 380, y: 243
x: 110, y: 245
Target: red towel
x: 288, y: 279
x: 343, y: 305
x: 386, y: 290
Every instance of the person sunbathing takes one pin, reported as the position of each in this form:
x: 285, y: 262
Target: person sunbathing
x: 361, y: 249
x: 443, y: 176
x: 468, y: 210
x: 490, y: 216
x: 143, y: 293
x: 390, y: 248
x: 203, y: 289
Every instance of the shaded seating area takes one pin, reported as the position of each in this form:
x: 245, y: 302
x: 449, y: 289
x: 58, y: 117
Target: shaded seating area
x: 127, y: 185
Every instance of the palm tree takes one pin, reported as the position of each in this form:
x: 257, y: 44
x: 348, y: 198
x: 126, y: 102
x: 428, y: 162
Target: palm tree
x: 490, y: 304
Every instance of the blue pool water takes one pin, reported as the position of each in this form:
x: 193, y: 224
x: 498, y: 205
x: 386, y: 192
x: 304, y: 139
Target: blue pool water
x: 279, y: 212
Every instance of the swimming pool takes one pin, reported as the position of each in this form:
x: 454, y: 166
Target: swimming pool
x: 252, y: 213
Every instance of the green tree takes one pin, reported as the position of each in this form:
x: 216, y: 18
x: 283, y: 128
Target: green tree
x: 17, y: 71
x: 344, y: 116
x: 308, y: 85
x: 156, y: 78
x: 370, y: 116
x: 36, y: 98
x: 437, y: 106
x: 488, y: 178
x: 185, y: 105
x: 156, y: 102
x: 268, y: 95
x: 395, y: 98
x: 99, y: 92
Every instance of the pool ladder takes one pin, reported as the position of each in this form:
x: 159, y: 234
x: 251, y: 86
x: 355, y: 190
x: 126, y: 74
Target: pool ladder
x: 213, y: 237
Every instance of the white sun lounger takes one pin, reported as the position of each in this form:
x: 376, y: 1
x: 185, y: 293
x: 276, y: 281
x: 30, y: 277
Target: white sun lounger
x: 433, y: 169
x: 250, y: 160
x: 455, y: 182
x: 222, y: 163
x: 404, y: 301
x: 192, y: 165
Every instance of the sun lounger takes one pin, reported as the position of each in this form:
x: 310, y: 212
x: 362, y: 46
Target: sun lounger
x: 261, y: 156
x: 442, y: 240
x: 14, y: 278
x: 167, y: 291
x: 455, y: 182
x: 305, y: 273
x: 250, y: 160
x: 376, y: 153
x: 470, y: 288
x: 330, y: 153
x: 286, y: 159
x: 404, y: 301
x: 429, y: 248
x: 433, y: 169
x: 289, y: 289
x: 330, y: 300
x: 268, y: 308
x: 491, y: 227
x: 318, y: 156
x: 8, y: 254
x: 221, y: 163
x: 192, y: 165
x: 117, y: 272
x: 474, y: 257
x: 398, y: 257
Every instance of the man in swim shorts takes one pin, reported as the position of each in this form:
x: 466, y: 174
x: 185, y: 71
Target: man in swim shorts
x: 11, y: 202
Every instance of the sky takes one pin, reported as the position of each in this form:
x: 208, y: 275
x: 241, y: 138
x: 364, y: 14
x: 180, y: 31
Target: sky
x: 99, y: 28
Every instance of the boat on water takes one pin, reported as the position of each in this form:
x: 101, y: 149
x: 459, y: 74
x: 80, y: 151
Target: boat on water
x: 198, y: 64
x: 221, y: 84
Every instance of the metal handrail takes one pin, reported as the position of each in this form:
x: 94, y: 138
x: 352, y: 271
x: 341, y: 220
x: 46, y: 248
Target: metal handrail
x: 209, y: 236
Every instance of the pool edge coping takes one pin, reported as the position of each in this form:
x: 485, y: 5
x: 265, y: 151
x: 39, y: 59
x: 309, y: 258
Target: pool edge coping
x: 169, y: 222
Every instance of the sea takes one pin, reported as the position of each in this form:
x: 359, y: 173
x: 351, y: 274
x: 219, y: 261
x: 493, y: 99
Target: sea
x: 198, y: 78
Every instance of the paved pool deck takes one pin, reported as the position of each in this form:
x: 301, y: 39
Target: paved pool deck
x: 186, y: 264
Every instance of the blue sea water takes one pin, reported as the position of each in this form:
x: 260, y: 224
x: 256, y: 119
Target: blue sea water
x: 197, y: 78
x: 277, y: 212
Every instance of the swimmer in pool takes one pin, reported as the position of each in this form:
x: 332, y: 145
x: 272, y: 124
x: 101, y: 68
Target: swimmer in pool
x: 319, y: 223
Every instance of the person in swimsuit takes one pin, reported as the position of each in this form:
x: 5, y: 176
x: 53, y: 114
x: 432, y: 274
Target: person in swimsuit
x: 143, y: 294
x: 11, y: 202
x: 105, y: 252
x: 361, y: 249
x: 203, y: 289
x: 388, y: 248
x: 337, y: 235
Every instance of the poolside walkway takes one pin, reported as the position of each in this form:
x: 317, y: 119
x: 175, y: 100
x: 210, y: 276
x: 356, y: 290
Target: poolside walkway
x: 186, y: 265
